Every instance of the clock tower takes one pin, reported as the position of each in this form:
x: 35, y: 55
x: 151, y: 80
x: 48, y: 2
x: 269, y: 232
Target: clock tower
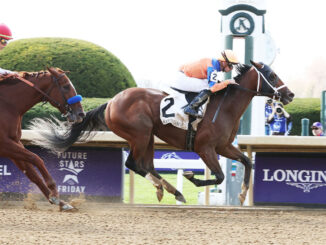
x: 245, y: 20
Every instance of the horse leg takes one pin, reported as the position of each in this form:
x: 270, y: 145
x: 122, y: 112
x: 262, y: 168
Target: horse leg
x: 152, y: 175
x: 139, y: 169
x: 209, y: 156
x: 170, y: 188
x: 22, y: 158
x: 148, y: 163
x: 33, y: 176
x: 233, y: 153
x: 148, y: 160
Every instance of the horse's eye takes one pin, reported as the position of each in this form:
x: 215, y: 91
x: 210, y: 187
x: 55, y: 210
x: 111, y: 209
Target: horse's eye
x: 272, y: 76
x: 66, y: 87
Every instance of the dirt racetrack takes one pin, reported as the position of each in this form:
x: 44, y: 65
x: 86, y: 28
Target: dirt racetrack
x: 139, y: 224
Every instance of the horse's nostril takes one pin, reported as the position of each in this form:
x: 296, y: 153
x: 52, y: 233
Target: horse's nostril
x: 291, y: 95
x: 82, y: 114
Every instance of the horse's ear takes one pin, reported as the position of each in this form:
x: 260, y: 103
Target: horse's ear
x: 52, y: 70
x: 257, y: 65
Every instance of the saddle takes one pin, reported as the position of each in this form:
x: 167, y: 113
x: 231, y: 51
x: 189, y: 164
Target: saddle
x: 171, y: 111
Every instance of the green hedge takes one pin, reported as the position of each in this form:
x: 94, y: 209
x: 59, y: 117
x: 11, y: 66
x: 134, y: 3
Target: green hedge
x: 298, y: 109
x: 303, y: 108
x: 94, y: 71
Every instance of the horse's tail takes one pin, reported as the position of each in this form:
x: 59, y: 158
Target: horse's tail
x: 58, y: 136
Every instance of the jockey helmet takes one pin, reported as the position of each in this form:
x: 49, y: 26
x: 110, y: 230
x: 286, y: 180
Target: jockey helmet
x: 229, y: 56
x: 317, y: 125
x: 5, y: 32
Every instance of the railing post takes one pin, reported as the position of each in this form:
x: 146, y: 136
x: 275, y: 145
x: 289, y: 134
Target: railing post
x: 179, y: 183
x: 251, y: 186
x: 323, y: 109
x: 304, y: 127
x: 131, y: 187
x: 207, y: 192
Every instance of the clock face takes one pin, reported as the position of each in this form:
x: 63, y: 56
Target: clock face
x: 242, y: 24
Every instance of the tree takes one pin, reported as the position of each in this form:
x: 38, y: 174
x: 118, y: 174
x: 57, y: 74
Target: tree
x: 94, y: 71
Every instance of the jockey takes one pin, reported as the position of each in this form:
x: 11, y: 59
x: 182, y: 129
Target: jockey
x: 201, y: 76
x: 5, y: 36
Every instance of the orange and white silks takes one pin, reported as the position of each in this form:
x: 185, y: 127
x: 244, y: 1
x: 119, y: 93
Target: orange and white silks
x: 197, y: 69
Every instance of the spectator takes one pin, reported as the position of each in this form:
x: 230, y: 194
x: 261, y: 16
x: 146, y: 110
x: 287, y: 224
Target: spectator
x: 317, y: 129
x: 279, y: 120
x: 268, y: 111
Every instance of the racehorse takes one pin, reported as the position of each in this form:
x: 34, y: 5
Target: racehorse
x: 134, y: 114
x: 20, y: 92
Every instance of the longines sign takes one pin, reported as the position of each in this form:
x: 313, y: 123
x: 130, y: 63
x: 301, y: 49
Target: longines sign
x: 289, y: 178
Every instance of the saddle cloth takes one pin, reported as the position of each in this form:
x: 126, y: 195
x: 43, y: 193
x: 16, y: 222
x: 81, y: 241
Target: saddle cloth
x: 171, y: 110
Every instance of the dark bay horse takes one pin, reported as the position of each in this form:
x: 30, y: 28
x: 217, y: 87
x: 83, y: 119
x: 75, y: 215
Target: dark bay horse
x: 18, y: 94
x: 134, y: 114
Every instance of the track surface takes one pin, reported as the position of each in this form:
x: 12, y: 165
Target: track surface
x: 94, y: 223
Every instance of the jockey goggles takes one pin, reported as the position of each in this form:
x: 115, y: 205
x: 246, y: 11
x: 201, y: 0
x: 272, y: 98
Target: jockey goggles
x: 3, y: 41
x: 230, y: 64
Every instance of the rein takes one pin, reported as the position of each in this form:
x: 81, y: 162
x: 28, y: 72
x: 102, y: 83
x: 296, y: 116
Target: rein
x: 39, y: 90
x: 259, y: 93
x: 256, y: 92
x: 68, y: 102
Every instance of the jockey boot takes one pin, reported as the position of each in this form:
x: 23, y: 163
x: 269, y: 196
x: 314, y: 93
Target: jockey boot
x: 192, y: 108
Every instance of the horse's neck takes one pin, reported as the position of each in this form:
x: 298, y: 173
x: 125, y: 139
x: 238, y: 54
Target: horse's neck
x: 238, y: 101
x: 242, y: 98
x: 23, y: 97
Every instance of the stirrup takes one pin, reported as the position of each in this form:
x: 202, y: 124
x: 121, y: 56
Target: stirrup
x: 192, y: 112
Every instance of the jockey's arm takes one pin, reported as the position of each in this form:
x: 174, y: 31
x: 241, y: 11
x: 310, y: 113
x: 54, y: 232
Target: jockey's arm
x: 219, y: 86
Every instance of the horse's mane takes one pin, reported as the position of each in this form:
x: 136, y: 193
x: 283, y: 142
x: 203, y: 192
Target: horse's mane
x: 26, y: 75
x: 241, y: 70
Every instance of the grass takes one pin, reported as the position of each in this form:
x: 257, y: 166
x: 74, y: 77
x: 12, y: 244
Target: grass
x: 145, y: 192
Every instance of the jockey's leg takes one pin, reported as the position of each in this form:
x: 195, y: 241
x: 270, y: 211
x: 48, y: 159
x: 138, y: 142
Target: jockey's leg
x: 235, y: 154
x: 192, y: 108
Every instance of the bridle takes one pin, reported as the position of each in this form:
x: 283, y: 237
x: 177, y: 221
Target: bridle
x: 260, y: 73
x: 66, y: 107
x: 264, y: 69
x: 276, y: 93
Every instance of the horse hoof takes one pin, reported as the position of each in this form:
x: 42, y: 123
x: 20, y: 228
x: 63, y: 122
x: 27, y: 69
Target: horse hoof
x: 54, y: 200
x: 241, y: 199
x: 159, y: 194
x: 188, y: 174
x: 67, y: 208
x: 180, y: 198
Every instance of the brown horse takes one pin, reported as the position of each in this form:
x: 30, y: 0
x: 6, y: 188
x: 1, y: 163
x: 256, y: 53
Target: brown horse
x: 18, y: 94
x: 134, y: 114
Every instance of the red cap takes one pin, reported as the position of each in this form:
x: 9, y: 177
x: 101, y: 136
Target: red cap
x: 5, y: 32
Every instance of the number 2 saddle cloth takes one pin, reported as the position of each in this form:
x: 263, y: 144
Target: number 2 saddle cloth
x: 172, y: 106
